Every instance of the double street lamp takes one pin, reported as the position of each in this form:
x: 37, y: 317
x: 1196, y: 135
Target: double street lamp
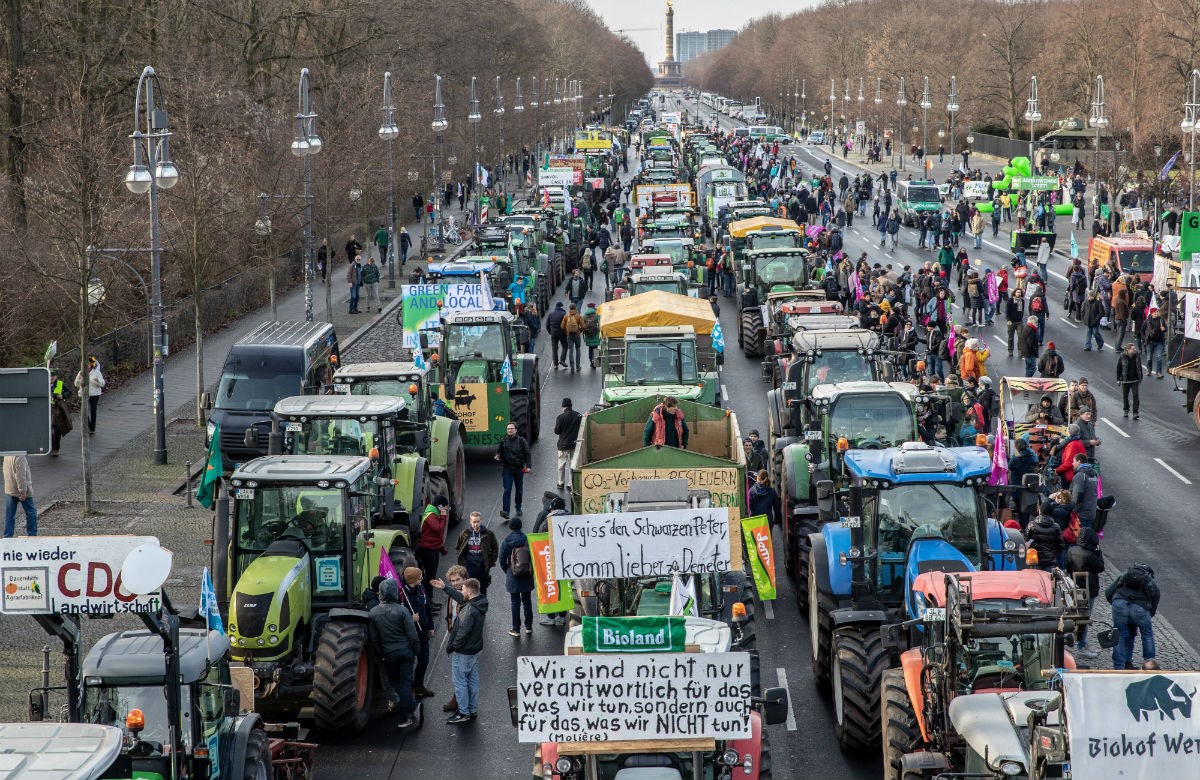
x: 878, y: 102
x: 389, y: 132
x: 902, y: 101
x: 306, y: 144
x: 439, y: 125
x: 1032, y: 114
x: 952, y: 109
x: 151, y: 149
x: 474, y: 117
x: 926, y: 104
x: 499, y: 112
x: 1191, y: 126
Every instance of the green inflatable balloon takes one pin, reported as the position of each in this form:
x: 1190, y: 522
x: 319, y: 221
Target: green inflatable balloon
x: 984, y: 206
x: 1017, y: 166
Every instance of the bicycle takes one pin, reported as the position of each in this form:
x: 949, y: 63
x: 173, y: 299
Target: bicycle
x: 450, y: 232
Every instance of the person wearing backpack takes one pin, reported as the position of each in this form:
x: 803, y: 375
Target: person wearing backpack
x: 591, y: 332
x: 517, y: 563
x: 573, y: 326
x: 1134, y: 597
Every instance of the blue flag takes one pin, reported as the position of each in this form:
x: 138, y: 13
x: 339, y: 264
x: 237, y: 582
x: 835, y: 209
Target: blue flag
x: 419, y: 359
x: 718, y: 337
x: 1074, y: 246
x: 506, y: 374
x: 208, y: 603
x: 1170, y: 164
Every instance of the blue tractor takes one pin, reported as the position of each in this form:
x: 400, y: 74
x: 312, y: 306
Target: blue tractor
x: 910, y: 509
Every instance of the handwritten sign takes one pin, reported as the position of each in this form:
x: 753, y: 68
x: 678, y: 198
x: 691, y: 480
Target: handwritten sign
x: 662, y: 696
x: 641, y: 544
x: 70, y: 575
x: 1192, y: 315
x: 723, y: 484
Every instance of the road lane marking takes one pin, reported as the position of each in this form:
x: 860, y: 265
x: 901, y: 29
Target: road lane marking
x: 1182, y: 478
x: 1113, y: 425
x: 1073, y: 325
x: 783, y: 683
x: 724, y: 394
x: 768, y: 610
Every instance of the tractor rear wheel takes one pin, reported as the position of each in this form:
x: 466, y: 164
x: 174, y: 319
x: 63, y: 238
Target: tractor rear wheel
x: 343, y: 679
x: 859, y: 661
x: 542, y: 293
x: 802, y: 529
x: 820, y: 627
x: 518, y: 414
x: 764, y: 758
x: 535, y: 412
x: 456, y: 474
x: 752, y: 333
x: 258, y: 757
x: 901, y: 733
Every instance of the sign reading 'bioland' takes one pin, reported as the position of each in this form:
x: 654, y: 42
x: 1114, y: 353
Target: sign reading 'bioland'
x: 1133, y: 726
x: 604, y: 698
x: 657, y: 634
x: 70, y: 575
x: 641, y: 544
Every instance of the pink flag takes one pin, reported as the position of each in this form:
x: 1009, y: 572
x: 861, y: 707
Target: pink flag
x: 386, y: 569
x: 853, y: 280
x: 950, y: 339
x: 999, y: 456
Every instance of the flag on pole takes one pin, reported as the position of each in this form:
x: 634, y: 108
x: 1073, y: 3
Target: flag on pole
x: 683, y: 595
x: 718, y: 337
x: 506, y: 374
x: 1074, y: 247
x: 386, y: 569
x: 485, y: 287
x: 999, y: 474
x: 419, y: 359
x: 51, y: 351
x: 1170, y: 164
x: 206, y: 491
x: 208, y: 603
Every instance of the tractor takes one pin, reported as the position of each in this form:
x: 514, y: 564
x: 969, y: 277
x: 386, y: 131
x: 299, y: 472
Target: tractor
x: 833, y: 421
x: 765, y: 271
x: 487, y: 381
x: 977, y: 637
x: 379, y: 427
x: 442, y: 447
x: 787, y: 313
x: 296, y: 541
x: 909, y: 509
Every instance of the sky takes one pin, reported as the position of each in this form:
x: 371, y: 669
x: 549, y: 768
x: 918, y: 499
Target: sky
x: 634, y: 15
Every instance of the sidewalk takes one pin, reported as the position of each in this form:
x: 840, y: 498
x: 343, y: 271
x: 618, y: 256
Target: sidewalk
x: 127, y: 411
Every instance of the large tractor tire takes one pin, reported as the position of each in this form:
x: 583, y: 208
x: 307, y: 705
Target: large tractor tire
x: 752, y: 333
x: 901, y: 733
x: 535, y: 409
x: 518, y: 414
x: 343, y: 679
x: 456, y: 474
x: 803, y: 546
x: 764, y: 758
x: 257, y: 765
x: 859, y: 661
x: 542, y: 294
x: 820, y: 628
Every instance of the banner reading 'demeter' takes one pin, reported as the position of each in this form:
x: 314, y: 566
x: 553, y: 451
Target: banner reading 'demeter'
x: 584, y: 698
x: 70, y: 575
x: 1133, y: 726
x: 640, y: 544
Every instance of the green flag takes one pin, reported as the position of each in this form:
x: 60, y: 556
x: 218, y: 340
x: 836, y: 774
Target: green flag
x: 206, y: 492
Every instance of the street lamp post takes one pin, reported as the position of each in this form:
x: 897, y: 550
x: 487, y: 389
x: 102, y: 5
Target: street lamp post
x: 473, y: 116
x: 306, y: 144
x: 1032, y: 114
x: 878, y: 101
x: 804, y: 105
x: 952, y: 108
x: 151, y: 170
x: 862, y: 141
x: 519, y: 108
x: 902, y: 101
x: 926, y: 103
x: 1098, y: 120
x: 499, y: 112
x: 845, y: 100
x: 1191, y: 125
x: 832, y: 109
x: 389, y: 133
x: 537, y: 124
x: 439, y: 126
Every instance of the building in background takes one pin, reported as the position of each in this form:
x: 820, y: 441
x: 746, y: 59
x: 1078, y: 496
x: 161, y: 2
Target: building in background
x: 690, y: 45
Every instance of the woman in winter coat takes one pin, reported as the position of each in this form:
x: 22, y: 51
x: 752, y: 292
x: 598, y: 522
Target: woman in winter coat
x: 1084, y: 557
x: 91, y: 389
x: 1046, y: 537
x: 519, y: 586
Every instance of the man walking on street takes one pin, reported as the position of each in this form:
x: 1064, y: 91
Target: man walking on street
x: 18, y: 488
x: 370, y: 278
x: 517, y: 562
x: 464, y: 645
x: 577, y: 288
x: 393, y: 637
x: 477, y: 550
x: 512, y: 453
x: 566, y: 427
x: 1028, y: 344
x: 1134, y: 597
x: 1129, y: 377
x: 456, y: 576
x: 1093, y: 311
x: 382, y: 240
x: 572, y: 326
x: 353, y: 248
x: 558, y: 337
x: 354, y: 279
x: 1155, y: 337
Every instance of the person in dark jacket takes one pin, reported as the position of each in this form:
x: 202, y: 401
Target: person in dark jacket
x: 393, y: 637
x: 763, y: 500
x: 1022, y: 462
x: 512, y: 453
x: 415, y: 598
x: 566, y: 428
x: 1051, y: 364
x: 519, y: 586
x: 1129, y: 377
x: 1084, y: 557
x: 1014, y: 314
x: 1045, y: 537
x: 370, y: 596
x: 1027, y: 345
x: 533, y: 322
x: 1083, y: 491
x: 464, y: 645
x: 477, y: 550
x: 558, y: 336
x: 1134, y: 597
x: 666, y: 425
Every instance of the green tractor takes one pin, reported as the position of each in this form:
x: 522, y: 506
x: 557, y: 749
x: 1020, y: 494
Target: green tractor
x: 515, y: 250
x: 443, y: 447
x: 295, y: 543
x: 381, y: 428
x: 765, y: 271
x: 488, y: 382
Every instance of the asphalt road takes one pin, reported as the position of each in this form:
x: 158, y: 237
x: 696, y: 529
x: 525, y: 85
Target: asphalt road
x: 1148, y: 464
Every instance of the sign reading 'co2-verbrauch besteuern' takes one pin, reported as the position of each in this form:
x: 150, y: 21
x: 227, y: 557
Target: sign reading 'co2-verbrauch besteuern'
x: 588, y: 698
x: 70, y: 575
x: 641, y: 544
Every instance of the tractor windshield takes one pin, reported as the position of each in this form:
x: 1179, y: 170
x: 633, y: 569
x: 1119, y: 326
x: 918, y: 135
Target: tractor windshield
x: 676, y: 286
x: 953, y: 510
x: 660, y: 362
x: 336, y: 436
x: 108, y: 706
x: 409, y: 437
x: 305, y: 512
x: 830, y: 367
x: 776, y: 239
x: 395, y: 387
x: 1013, y: 661
x: 677, y: 251
x: 475, y: 340
x: 789, y: 270
x: 872, y: 421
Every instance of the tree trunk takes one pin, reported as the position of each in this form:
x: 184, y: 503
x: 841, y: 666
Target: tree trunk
x: 85, y: 450
x: 199, y: 325
x: 16, y: 114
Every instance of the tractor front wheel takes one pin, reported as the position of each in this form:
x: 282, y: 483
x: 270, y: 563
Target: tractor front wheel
x: 820, y: 626
x: 859, y: 661
x: 752, y: 333
x: 901, y: 734
x: 258, y: 757
x: 343, y: 678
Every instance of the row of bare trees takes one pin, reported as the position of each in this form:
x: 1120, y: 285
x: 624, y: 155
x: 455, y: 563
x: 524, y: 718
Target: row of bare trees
x: 1145, y: 51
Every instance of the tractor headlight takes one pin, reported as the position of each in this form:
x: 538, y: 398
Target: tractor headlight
x: 273, y: 628
x: 1011, y: 768
x: 272, y: 639
x: 854, y: 552
x: 730, y: 758
x: 1010, y: 545
x: 232, y: 628
x: 562, y: 765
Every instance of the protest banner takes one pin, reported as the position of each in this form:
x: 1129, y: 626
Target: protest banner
x: 641, y: 544
x: 607, y: 698
x: 552, y: 595
x: 723, y: 484
x: 757, y: 532
x: 70, y: 575
x: 648, y: 634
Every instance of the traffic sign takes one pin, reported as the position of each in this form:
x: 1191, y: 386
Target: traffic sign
x: 24, y: 411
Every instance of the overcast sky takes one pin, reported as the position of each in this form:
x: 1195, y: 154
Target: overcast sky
x: 633, y: 15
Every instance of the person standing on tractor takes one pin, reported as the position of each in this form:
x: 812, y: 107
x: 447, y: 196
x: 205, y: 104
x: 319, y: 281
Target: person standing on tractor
x: 512, y: 453
x: 666, y: 425
x: 393, y: 637
x: 566, y: 427
x: 431, y: 540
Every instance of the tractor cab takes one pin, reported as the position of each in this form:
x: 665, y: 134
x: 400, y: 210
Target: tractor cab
x: 780, y: 269
x: 681, y: 251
